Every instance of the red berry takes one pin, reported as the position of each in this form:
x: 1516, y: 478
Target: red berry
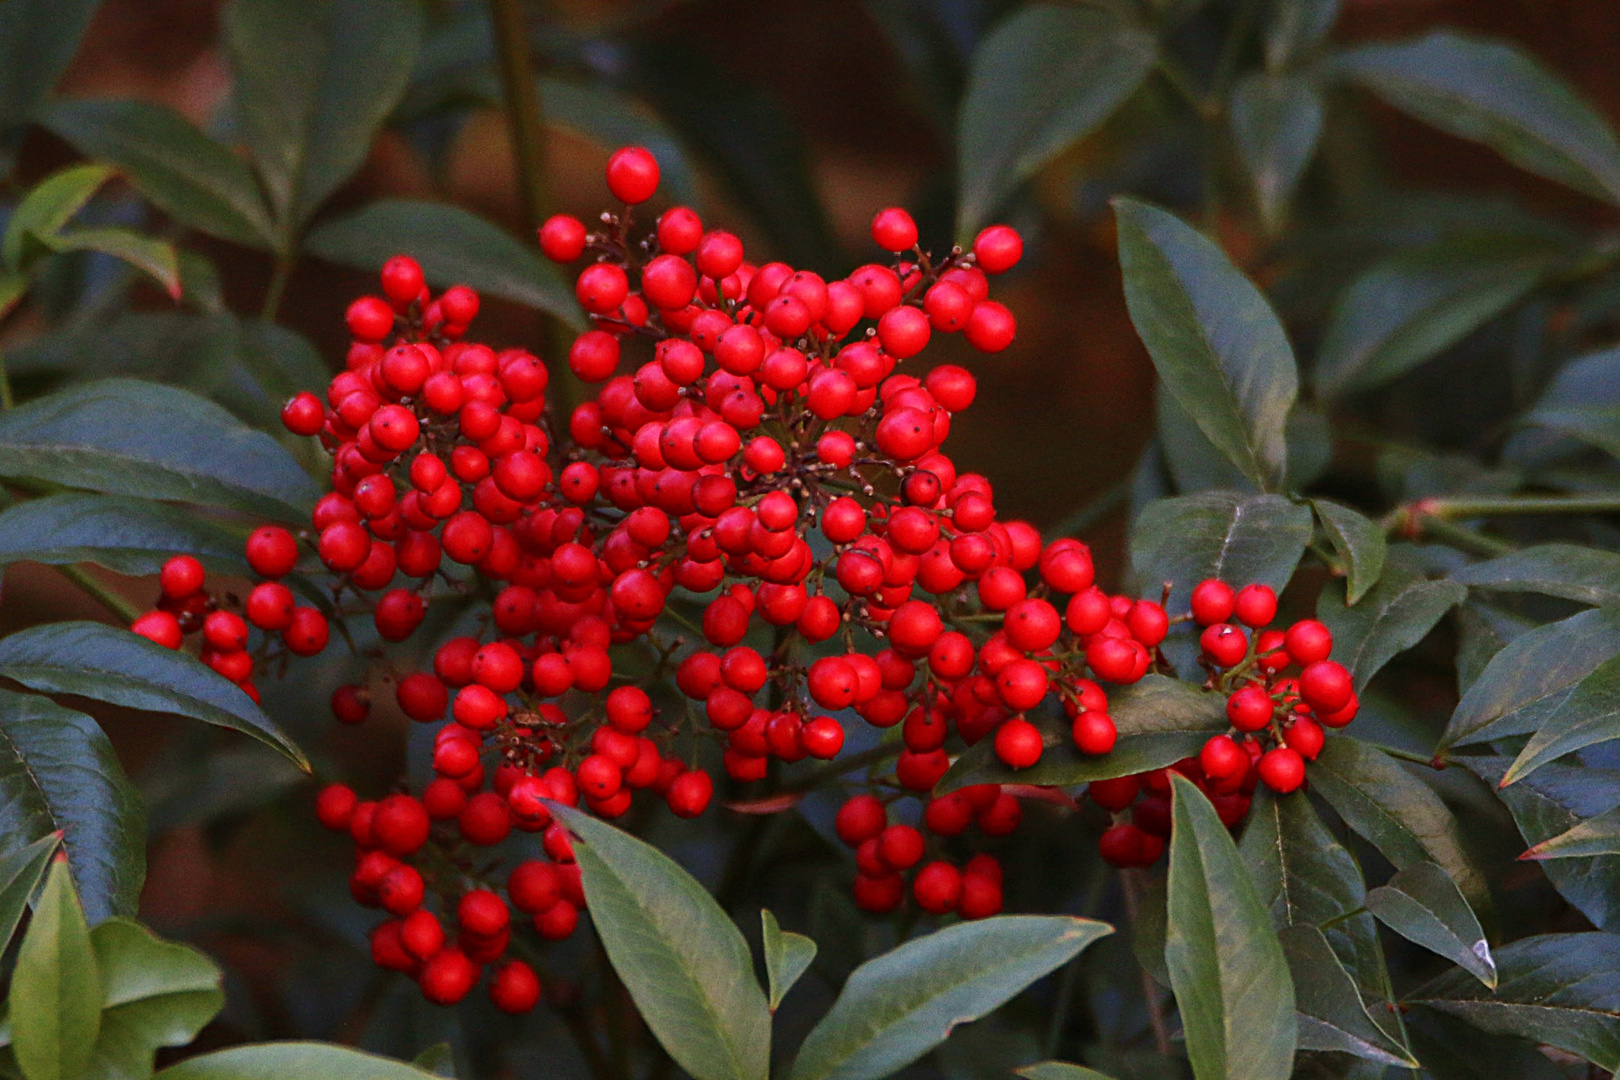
x: 1222, y: 758
x: 632, y: 175
x: 997, y: 249
x: 1018, y: 743
x: 1114, y: 794
x: 1212, y: 602
x: 1094, y: 733
x: 1224, y: 644
x: 1325, y: 686
x: 562, y: 238
x: 1255, y: 605
x: 402, y: 280
x: 1306, y: 737
x: 448, y: 977
x: 690, y: 792
x: 515, y: 987
x: 1249, y: 708
x: 1308, y: 641
x: 161, y: 627
x: 937, y: 887
x: 303, y: 414
x: 860, y: 819
x: 1282, y: 769
x: 893, y: 230
x: 180, y: 577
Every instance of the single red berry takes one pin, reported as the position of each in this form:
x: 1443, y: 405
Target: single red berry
x: 180, y: 577
x: 161, y: 627
x: 1282, y: 769
x: 1212, y: 602
x: 1222, y: 758
x: 894, y: 230
x: 515, y: 987
x: 1255, y: 605
x: 1114, y: 794
x: 1325, y: 686
x: 997, y: 249
x: 1306, y: 737
x: 448, y: 977
x: 1308, y: 641
x: 1224, y: 644
x: 303, y: 414
x: 860, y: 819
x: 1018, y: 743
x: 1249, y: 708
x: 402, y: 281
x: 632, y: 175
x: 937, y: 887
x: 1094, y: 733
x: 562, y: 238
x: 272, y: 551
x: 690, y: 792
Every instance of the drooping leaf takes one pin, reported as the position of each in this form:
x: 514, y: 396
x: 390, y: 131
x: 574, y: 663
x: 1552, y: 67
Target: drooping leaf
x: 1584, y: 574
x: 1394, y: 811
x: 154, y: 993
x: 1559, y: 989
x: 195, y: 180
x: 37, y: 40
x: 1060, y: 1070
x: 48, y: 206
x: 130, y: 536
x: 101, y: 436
x: 21, y: 870
x: 314, y: 81
x: 1589, y: 714
x: 1411, y: 306
x: 151, y: 256
x: 454, y: 246
x: 1214, y: 340
x: 281, y: 1060
x: 1331, y: 1013
x: 900, y: 1005
x: 683, y: 961
x: 1160, y: 721
x: 58, y: 774
x: 1531, y: 675
x: 787, y: 956
x: 1492, y: 92
x: 1424, y: 906
x: 1398, y: 613
x: 1238, y: 539
x: 1276, y: 120
x: 55, y: 999
x: 1227, y: 967
x: 1358, y: 541
x: 1042, y: 81
x: 1598, y: 835
x: 108, y: 664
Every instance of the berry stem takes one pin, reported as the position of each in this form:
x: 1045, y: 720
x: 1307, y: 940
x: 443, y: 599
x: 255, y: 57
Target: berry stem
x: 277, y: 288
x: 1452, y: 509
x: 110, y: 600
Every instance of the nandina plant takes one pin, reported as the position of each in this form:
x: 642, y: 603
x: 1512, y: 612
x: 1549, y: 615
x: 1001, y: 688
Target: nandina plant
x: 662, y: 692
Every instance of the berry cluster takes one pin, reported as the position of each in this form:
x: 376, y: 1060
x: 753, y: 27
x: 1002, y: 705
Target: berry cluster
x: 1277, y: 720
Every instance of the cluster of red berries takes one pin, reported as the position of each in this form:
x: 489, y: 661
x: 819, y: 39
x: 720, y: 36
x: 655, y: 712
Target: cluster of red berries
x: 1277, y: 720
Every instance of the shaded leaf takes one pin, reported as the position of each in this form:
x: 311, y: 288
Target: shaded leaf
x: 49, y: 205
x: 1043, y: 80
x: 151, y: 256
x: 130, y: 536
x: 900, y: 1005
x: 58, y: 774
x: 787, y: 957
x: 1276, y: 120
x: 1424, y: 906
x: 1398, y: 613
x: 1482, y: 632
x: 1589, y: 714
x: 1238, y: 539
x: 1584, y: 574
x: 1331, y: 1014
x: 154, y: 993
x: 21, y: 870
x: 109, y: 664
x: 281, y: 1060
x: 1583, y: 402
x: 1194, y: 463
x: 1358, y: 541
x: 1295, y: 27
x: 37, y: 40
x: 1214, y: 340
x: 55, y: 998
x: 1598, y: 835
x: 1060, y: 1070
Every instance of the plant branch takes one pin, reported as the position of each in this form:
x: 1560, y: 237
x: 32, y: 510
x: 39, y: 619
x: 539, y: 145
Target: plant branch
x: 1130, y: 881
x: 525, y: 120
x: 277, y: 288
x: 122, y: 608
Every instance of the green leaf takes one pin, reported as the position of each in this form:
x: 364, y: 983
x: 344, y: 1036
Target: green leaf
x: 787, y: 957
x: 683, y: 961
x: 1482, y: 632
x: 453, y: 245
x: 1583, y: 574
x: 155, y: 993
x: 105, y: 663
x: 1194, y: 463
x: 1583, y: 402
x: 1424, y: 906
x: 155, y: 258
x: 1160, y: 721
x: 1411, y: 306
x: 438, y: 1059
x: 37, y: 40
x: 1042, y: 81
x: 1276, y: 121
x: 1598, y: 835
x: 20, y: 872
x: 1216, y: 343
x: 1227, y: 967
x: 55, y: 999
x: 58, y: 774
x: 284, y: 1060
x: 103, y: 436
x: 1358, y: 541
x: 1398, y: 613
x: 315, y: 79
x: 1491, y: 92
x: 1295, y: 27
x: 198, y: 182
x: 1453, y: 1050
x: 1060, y: 1070
x: 13, y: 287
x: 130, y: 536
x: 1590, y: 714
x: 1530, y: 675
x: 1238, y: 539
x: 1331, y: 1013
x: 48, y: 206
x: 1394, y: 811
x: 900, y: 1005
x: 1562, y: 990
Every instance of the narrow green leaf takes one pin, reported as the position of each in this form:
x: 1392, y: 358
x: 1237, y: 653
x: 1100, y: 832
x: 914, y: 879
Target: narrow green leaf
x: 37, y: 40
x: 314, y: 81
x: 1561, y: 990
x: 900, y: 1005
x: 1236, y: 538
x: 1398, y: 613
x: 1424, y: 906
x: 282, y: 1060
x: 153, y: 257
x: 154, y: 993
x: 683, y: 961
x: 1042, y: 81
x: 48, y: 206
x: 1227, y: 967
x: 1276, y: 121
x: 787, y: 957
x: 454, y: 246
x: 1584, y: 574
x: 1060, y: 1070
x: 1598, y: 835
x: 13, y: 287
x: 20, y: 872
x: 129, y: 536
x: 1394, y: 811
x: 1530, y: 675
x: 1358, y: 541
x: 1160, y: 721
x: 1331, y: 1013
x: 58, y: 774
x: 99, y: 436
x: 55, y: 999
x: 1491, y: 92
x: 1590, y: 714
x: 1214, y: 339
x: 105, y: 663
x: 195, y: 180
